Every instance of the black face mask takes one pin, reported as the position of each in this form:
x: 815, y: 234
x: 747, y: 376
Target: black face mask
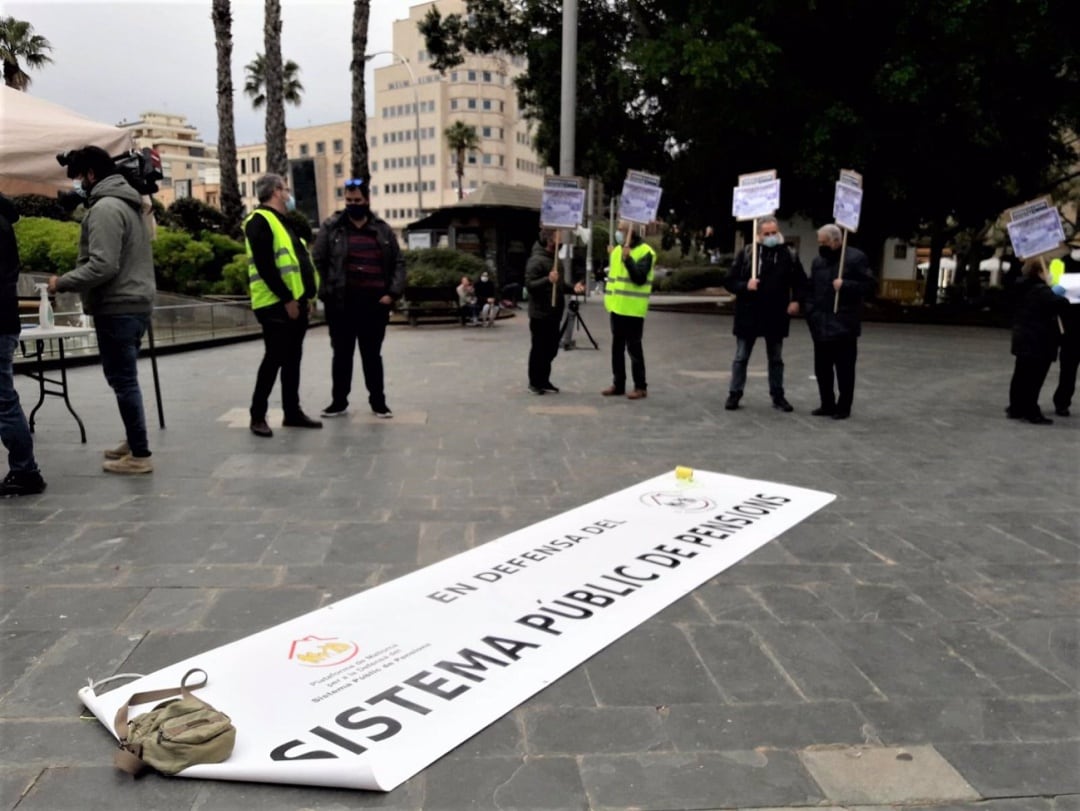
x: 825, y: 252
x: 358, y: 211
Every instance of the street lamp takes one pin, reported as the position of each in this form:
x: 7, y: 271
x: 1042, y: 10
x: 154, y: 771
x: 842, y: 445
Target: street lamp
x: 416, y: 108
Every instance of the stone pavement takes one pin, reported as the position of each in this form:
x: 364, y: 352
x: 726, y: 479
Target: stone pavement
x: 913, y: 643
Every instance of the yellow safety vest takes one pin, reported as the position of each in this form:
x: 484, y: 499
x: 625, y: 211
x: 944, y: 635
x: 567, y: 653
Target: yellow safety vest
x: 285, y: 257
x: 621, y: 295
x: 1057, y: 270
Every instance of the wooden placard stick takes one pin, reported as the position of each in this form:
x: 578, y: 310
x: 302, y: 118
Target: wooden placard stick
x: 840, y: 269
x: 753, y: 251
x: 555, y: 287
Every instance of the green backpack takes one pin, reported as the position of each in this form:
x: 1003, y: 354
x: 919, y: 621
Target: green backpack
x: 175, y: 734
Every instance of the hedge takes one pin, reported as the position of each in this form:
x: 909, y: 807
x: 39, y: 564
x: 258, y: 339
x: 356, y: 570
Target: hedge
x: 440, y: 267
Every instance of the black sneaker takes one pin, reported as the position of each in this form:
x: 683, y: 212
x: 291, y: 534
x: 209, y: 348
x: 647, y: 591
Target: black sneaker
x: 1061, y: 411
x: 550, y: 388
x: 535, y: 390
x: 335, y: 409
x: 20, y: 483
x: 780, y: 404
x: 824, y: 411
x: 383, y: 412
x: 732, y: 402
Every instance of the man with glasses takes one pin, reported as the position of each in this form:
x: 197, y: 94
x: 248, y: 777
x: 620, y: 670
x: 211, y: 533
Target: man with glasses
x: 363, y: 274
x: 282, y: 281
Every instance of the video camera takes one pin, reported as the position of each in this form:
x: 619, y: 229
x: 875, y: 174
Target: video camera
x: 142, y: 169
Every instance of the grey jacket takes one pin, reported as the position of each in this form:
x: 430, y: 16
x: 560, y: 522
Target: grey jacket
x: 114, y: 273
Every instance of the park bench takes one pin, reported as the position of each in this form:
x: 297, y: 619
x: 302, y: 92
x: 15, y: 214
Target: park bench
x: 435, y: 303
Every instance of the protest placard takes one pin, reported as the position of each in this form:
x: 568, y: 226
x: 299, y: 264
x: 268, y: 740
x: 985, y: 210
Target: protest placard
x: 562, y: 204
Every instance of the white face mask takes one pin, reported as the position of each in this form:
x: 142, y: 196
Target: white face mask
x: 77, y: 185
x: 1075, y: 254
x: 484, y: 278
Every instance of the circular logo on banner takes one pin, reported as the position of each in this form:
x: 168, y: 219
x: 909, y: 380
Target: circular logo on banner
x: 679, y: 502
x: 316, y: 651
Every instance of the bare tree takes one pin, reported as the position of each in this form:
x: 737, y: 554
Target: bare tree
x: 231, y: 204
x: 359, y: 159
x: 277, y: 160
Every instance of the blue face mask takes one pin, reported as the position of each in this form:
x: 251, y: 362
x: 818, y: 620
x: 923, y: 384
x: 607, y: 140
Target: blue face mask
x: 290, y: 204
x: 620, y: 237
x: 771, y: 241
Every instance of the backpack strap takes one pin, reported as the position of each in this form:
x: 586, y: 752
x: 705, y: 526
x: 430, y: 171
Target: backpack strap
x: 126, y: 758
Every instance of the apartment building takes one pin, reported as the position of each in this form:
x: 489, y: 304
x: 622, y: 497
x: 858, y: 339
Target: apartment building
x: 190, y: 165
x: 412, y: 166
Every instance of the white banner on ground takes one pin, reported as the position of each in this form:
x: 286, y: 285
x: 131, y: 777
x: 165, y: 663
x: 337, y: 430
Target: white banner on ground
x: 366, y: 692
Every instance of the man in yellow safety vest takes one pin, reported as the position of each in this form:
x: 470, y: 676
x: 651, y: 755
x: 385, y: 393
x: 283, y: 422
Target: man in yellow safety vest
x: 281, y: 279
x: 626, y: 297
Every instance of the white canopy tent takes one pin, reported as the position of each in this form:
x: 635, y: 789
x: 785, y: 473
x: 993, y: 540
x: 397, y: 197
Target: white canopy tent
x: 34, y: 131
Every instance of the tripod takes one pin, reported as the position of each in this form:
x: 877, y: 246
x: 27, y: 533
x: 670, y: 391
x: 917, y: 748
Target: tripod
x: 573, y: 317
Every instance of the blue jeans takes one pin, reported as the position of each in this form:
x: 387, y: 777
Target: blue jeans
x: 118, y: 338
x: 14, y: 429
x: 773, y: 350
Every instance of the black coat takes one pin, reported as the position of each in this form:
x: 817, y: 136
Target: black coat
x: 9, y: 269
x: 781, y: 280
x: 331, y: 250
x: 858, y: 283
x: 537, y: 268
x: 1036, y: 333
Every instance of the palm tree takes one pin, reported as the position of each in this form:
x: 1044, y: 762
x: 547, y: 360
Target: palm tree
x: 254, y: 78
x: 358, y: 161
x: 231, y: 204
x: 461, y: 138
x: 277, y: 160
x: 18, y: 41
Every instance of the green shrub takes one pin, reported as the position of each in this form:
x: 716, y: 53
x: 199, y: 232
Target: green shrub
x: 692, y: 278
x: 194, y: 216
x: 47, y: 246
x: 179, y: 260
x: 440, y: 267
x: 38, y: 205
x: 300, y: 226
x: 225, y: 251
x: 234, y: 278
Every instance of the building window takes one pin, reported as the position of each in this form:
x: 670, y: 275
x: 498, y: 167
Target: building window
x: 453, y: 104
x: 485, y: 131
x: 471, y: 75
x: 374, y: 166
x: 339, y: 192
x: 487, y: 160
x: 453, y: 76
x: 320, y: 147
x: 472, y: 104
x: 339, y: 145
x: 256, y: 165
x: 243, y: 189
x: 487, y: 76
x: 339, y: 170
x: 375, y: 140
x: 471, y: 160
x: 243, y: 166
x: 487, y: 104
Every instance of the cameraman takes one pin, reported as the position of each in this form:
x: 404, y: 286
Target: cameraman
x: 114, y: 275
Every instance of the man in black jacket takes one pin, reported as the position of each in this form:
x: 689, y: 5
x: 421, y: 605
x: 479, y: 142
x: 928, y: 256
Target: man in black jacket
x: 836, y: 333
x: 23, y: 478
x: 363, y: 274
x: 542, y: 275
x: 764, y: 305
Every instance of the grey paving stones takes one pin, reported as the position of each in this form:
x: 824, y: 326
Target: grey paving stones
x: 863, y: 775
x: 932, y: 605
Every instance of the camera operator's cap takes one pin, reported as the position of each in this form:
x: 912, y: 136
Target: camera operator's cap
x: 78, y: 161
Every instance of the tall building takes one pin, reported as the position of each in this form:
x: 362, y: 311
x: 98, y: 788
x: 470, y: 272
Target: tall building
x: 412, y: 167
x: 189, y: 164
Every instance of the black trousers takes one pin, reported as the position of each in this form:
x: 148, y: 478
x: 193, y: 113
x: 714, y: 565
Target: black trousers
x: 362, y: 322
x: 283, y: 339
x: 1069, y: 360
x: 1029, y: 374
x: 626, y: 332
x: 545, y: 346
x: 836, y: 356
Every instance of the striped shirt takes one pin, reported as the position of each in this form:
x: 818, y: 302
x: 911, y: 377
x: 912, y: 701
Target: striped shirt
x: 364, y: 262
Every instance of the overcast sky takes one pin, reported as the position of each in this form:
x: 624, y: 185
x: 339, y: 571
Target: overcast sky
x: 115, y: 60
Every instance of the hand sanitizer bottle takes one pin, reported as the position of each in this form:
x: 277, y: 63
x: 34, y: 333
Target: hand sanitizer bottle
x: 46, y: 320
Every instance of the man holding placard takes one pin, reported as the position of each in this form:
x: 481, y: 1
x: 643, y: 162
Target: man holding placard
x: 1064, y: 270
x: 626, y: 297
x: 767, y: 294
x: 833, y: 306
x: 547, y: 300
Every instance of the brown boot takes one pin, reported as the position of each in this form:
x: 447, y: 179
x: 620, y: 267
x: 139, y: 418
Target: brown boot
x: 637, y: 394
